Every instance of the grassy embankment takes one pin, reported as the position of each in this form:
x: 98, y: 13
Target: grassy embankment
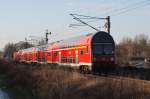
x: 54, y: 83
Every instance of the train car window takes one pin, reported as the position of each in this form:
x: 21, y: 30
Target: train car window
x: 98, y: 49
x: 65, y: 59
x: 87, y: 50
x: 108, y: 49
x: 73, y: 60
x: 56, y: 54
x: 61, y: 59
x: 81, y: 52
x: 49, y: 53
x: 70, y: 59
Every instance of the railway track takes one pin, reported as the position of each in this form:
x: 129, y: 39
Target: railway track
x: 136, y: 73
x: 126, y: 72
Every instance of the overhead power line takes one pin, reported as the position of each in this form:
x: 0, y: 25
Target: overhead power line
x: 79, y: 24
x: 131, y: 9
x: 78, y: 19
x: 127, y: 8
x: 87, y: 17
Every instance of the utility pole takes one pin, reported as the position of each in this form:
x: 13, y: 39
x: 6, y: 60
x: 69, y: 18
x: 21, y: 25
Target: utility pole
x: 107, y: 24
x: 46, y: 39
x: 26, y: 43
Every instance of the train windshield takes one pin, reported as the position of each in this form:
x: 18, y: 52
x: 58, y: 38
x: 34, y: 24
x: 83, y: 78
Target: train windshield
x: 103, y: 49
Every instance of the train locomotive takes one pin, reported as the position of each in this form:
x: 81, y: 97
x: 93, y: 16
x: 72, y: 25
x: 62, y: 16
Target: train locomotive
x: 91, y: 52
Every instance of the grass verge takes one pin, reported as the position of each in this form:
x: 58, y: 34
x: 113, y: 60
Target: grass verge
x: 47, y: 82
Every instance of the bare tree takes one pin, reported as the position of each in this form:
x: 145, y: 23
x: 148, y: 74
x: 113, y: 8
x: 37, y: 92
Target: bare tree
x: 129, y: 48
x: 23, y: 45
x: 124, y: 50
x: 141, y: 39
x: 1, y: 54
x: 8, y: 50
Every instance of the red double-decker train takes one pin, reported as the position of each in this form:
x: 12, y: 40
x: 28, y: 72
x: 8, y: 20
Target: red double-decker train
x: 88, y: 52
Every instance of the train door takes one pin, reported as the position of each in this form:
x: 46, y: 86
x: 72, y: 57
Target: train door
x: 51, y: 59
x: 59, y: 57
x: 76, y: 57
x: 44, y: 56
x: 52, y: 56
x: 49, y: 56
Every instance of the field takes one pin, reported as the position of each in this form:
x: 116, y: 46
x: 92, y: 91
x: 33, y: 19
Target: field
x: 47, y: 82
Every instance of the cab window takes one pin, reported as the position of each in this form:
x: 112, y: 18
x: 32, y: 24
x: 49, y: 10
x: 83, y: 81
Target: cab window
x: 81, y: 52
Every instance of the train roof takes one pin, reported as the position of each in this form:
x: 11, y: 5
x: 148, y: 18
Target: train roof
x: 74, y: 41
x: 101, y: 36
x: 78, y: 40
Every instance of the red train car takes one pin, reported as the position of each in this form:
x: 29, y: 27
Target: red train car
x: 34, y: 55
x: 41, y: 55
x: 27, y: 55
x: 88, y: 52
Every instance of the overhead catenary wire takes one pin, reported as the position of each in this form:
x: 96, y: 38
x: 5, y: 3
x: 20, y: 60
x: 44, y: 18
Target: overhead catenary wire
x: 78, y: 19
x: 87, y: 17
x: 128, y: 8
x: 115, y: 12
x: 79, y: 24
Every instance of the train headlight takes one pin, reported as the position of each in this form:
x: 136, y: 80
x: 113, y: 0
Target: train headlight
x: 94, y: 59
x: 112, y: 59
x: 103, y: 59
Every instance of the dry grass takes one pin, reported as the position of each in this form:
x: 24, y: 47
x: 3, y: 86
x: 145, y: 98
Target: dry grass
x: 54, y: 83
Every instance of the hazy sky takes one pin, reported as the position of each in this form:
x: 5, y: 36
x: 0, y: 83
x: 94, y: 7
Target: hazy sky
x: 24, y: 18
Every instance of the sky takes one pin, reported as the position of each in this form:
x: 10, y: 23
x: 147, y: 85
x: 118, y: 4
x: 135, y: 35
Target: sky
x: 20, y: 19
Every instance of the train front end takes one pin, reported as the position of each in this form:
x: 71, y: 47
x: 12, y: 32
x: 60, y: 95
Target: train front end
x: 103, y: 52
